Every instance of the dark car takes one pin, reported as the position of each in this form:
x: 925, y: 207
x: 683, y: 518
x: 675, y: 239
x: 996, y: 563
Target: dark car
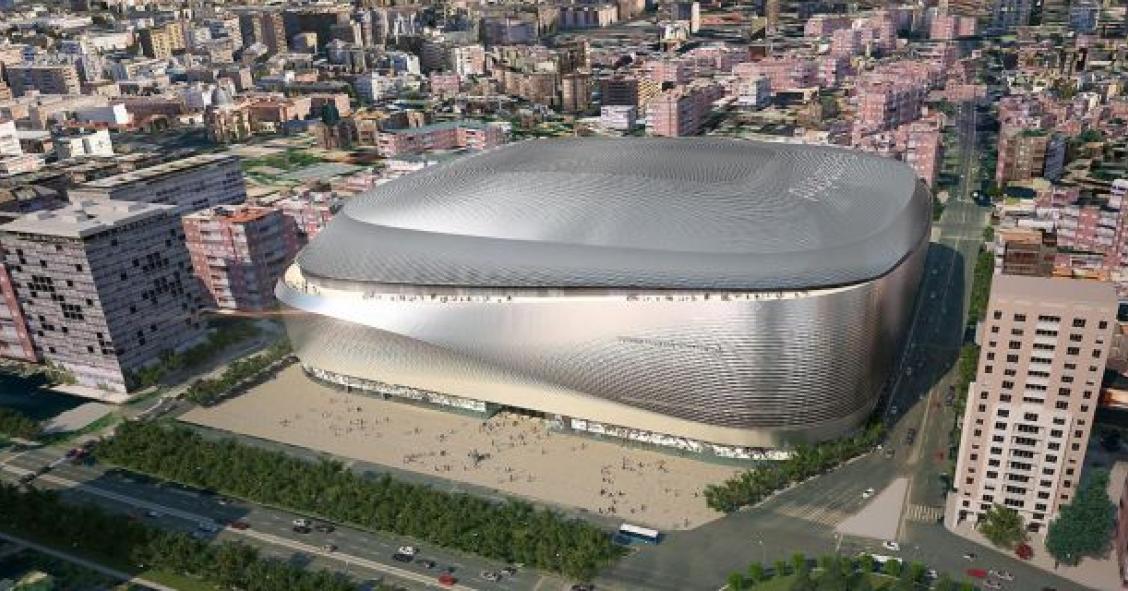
x: 240, y: 525
x: 301, y: 529
x: 325, y: 528
x: 401, y: 557
x: 428, y: 564
x: 509, y: 571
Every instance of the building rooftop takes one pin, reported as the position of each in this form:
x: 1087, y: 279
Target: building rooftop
x: 155, y: 172
x: 685, y: 213
x: 1054, y: 290
x: 85, y: 218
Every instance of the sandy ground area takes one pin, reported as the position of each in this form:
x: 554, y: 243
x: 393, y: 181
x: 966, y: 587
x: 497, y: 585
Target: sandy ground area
x: 509, y: 453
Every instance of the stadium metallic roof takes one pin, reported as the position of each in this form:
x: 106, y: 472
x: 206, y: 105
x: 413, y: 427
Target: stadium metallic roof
x: 691, y: 213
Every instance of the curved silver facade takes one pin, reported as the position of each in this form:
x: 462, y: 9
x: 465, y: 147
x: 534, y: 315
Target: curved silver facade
x: 715, y: 358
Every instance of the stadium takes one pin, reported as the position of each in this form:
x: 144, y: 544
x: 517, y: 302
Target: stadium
x: 709, y: 294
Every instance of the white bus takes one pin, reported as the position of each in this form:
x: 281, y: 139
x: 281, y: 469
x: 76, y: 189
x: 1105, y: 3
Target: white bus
x: 640, y: 534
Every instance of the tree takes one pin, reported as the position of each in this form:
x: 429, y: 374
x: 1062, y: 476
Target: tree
x: 1083, y: 527
x: 892, y: 567
x: 757, y: 573
x: 799, y: 563
x: 803, y: 581
x: 735, y: 582
x: 781, y: 568
x: 1003, y: 527
x: 866, y: 563
x: 834, y: 576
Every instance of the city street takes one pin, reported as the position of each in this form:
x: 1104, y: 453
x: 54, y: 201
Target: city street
x: 363, y: 554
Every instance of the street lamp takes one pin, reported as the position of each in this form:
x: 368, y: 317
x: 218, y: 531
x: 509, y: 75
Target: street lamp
x: 763, y: 552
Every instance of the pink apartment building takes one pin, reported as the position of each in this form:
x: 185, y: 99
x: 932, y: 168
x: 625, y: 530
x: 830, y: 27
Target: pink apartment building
x: 885, y: 104
x: 239, y: 252
x: 1030, y: 409
x: 309, y: 212
x: 948, y: 27
x: 682, y: 111
x: 784, y: 73
x: 15, y: 342
x: 448, y: 135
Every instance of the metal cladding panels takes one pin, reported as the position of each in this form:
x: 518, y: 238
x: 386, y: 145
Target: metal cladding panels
x: 632, y: 213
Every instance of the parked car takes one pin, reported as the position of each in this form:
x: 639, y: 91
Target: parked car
x: 977, y: 573
x: 869, y: 492
x: 447, y: 580
x: 891, y: 546
x: 969, y: 556
x: 1024, y: 551
x: 401, y: 557
x: 239, y: 524
x: 325, y: 528
x: 407, y: 550
x: 301, y: 529
x: 427, y: 564
x: 329, y: 547
x: 491, y: 576
x: 509, y: 571
x: 301, y: 522
x: 993, y: 585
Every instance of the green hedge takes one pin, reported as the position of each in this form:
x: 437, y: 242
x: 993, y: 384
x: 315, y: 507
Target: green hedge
x: 511, y: 531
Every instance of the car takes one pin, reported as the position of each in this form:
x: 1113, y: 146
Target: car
x: 891, y: 546
x: 153, y: 514
x: 301, y: 522
x: 509, y: 571
x: 207, y: 526
x: 1024, y: 551
x: 583, y: 587
x: 893, y: 409
x: 329, y: 548
x: 407, y: 550
x: 969, y: 556
x: 1002, y: 574
x: 976, y: 573
x: 325, y: 528
x: 931, y: 574
x: 447, y: 580
x: 890, y: 452
x: 223, y: 501
x: 427, y: 564
x: 994, y: 585
x: 491, y: 576
x: 239, y: 524
x: 869, y: 492
x: 301, y: 529
x: 401, y: 557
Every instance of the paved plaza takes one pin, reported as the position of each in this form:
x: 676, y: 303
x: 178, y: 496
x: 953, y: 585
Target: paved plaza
x: 513, y: 454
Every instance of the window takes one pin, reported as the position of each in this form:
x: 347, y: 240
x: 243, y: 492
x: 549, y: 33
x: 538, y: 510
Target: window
x: 1030, y: 416
x: 994, y: 330
x: 1020, y: 317
x: 1045, y: 318
x: 1078, y: 323
x: 1102, y: 324
x: 1016, y: 332
x: 1007, y: 384
x: 1014, y: 345
x: 1075, y: 338
x: 1012, y: 358
x: 998, y: 315
x: 1073, y: 351
x: 1003, y: 412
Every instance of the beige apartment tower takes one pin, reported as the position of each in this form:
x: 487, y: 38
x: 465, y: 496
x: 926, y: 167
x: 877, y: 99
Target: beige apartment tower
x: 1030, y: 409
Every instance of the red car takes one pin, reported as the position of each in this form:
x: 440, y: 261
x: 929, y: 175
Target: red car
x: 240, y: 525
x: 1024, y: 551
x: 977, y: 573
x: 447, y: 580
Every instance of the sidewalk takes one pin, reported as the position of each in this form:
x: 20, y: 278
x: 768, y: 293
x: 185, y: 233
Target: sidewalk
x: 1097, y: 574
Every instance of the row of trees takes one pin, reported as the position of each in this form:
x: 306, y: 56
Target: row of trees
x: 981, y: 286
x: 752, y: 486
x: 91, y: 530
x: 14, y: 424
x: 511, y: 531
x: 225, y: 332
x: 840, y: 573
x: 208, y: 391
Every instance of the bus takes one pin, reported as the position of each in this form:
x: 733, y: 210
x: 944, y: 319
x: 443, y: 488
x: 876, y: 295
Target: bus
x: 632, y: 533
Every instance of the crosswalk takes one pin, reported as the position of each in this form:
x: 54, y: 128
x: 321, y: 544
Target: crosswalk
x: 820, y: 515
x: 924, y: 513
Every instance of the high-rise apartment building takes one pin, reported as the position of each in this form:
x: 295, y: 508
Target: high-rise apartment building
x: 191, y: 184
x: 105, y: 288
x: 628, y: 91
x: 1030, y: 409
x: 1026, y: 153
x: 15, y: 342
x: 240, y: 252
x: 46, y: 78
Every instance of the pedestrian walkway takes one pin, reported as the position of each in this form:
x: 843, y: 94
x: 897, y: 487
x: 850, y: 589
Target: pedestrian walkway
x: 925, y: 513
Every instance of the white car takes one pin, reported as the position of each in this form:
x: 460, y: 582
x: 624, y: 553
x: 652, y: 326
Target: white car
x: 406, y: 550
x: 931, y: 574
x: 989, y: 584
x: 301, y: 522
x: 1004, y: 575
x: 891, y: 546
x: 869, y: 492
